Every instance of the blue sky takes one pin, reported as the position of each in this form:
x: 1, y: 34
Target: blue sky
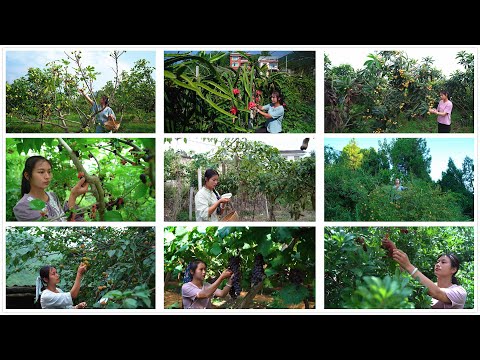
x: 18, y: 62
x: 278, y: 54
x: 440, y: 150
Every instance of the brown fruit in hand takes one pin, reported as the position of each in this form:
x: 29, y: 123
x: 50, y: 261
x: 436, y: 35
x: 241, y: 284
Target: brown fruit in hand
x: 360, y: 240
x: 81, y: 174
x: 388, y: 245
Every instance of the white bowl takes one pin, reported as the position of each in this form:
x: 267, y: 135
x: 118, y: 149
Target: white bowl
x: 227, y: 195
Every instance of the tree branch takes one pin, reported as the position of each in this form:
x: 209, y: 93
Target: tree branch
x: 94, y: 180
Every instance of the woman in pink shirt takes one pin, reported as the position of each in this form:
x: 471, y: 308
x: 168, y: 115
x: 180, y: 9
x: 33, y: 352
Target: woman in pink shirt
x: 446, y: 293
x: 444, y: 112
x: 196, y: 293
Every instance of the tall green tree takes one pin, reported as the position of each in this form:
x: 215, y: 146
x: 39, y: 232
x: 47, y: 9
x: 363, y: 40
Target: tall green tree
x: 412, y: 155
x: 352, y: 155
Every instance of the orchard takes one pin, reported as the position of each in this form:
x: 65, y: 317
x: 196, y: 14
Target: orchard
x: 120, y: 262
x: 273, y: 267
x: 48, y: 99
x: 265, y: 185
x: 359, y: 184
x: 120, y: 173
x: 392, y: 93
x: 204, y: 94
x: 360, y: 273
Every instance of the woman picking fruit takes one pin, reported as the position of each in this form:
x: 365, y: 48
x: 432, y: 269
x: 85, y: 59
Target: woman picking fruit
x: 273, y: 112
x: 196, y: 293
x: 36, y: 177
x: 102, y: 111
x: 51, y: 297
x: 444, y: 112
x: 446, y: 293
x: 208, y: 203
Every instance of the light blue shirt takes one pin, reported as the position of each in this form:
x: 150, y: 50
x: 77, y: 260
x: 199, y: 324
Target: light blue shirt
x: 102, y: 116
x: 274, y: 125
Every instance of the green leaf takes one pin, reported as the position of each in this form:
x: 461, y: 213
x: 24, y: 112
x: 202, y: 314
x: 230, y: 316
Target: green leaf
x: 113, y: 294
x: 110, y: 253
x: 269, y: 272
x: 293, y: 294
x: 224, y: 231
x: 37, y: 204
x: 265, y: 247
x: 216, y: 249
x: 113, y: 216
x: 130, y: 304
x: 141, y: 191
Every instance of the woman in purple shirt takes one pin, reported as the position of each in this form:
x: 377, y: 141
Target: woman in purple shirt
x: 444, y: 112
x: 36, y: 177
x: 446, y: 293
x: 196, y: 293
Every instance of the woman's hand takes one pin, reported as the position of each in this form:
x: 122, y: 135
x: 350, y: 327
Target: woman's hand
x: 82, y: 268
x: 226, y: 274
x: 432, y: 111
x: 82, y: 305
x: 400, y: 257
x: 80, y: 188
x: 224, y: 200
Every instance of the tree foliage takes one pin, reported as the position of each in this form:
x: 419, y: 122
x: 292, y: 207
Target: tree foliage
x: 359, y: 184
x: 250, y: 170
x: 121, y: 261
x: 358, y: 274
x: 203, y: 94
x: 121, y: 174
x: 392, y: 93
x: 49, y: 97
x: 283, y: 248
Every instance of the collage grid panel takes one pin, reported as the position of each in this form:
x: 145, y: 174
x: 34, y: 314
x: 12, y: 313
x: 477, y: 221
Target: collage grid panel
x: 160, y: 222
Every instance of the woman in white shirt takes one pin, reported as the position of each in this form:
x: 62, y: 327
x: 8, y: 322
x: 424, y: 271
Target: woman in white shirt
x: 52, y: 297
x: 446, y: 293
x: 208, y: 203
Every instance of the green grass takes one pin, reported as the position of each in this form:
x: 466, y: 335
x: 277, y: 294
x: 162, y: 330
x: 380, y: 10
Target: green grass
x: 429, y: 125
x: 130, y: 124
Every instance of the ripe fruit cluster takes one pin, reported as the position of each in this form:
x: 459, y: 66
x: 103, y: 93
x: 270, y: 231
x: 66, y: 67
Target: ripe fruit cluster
x: 296, y: 276
x: 258, y: 273
x: 234, y: 265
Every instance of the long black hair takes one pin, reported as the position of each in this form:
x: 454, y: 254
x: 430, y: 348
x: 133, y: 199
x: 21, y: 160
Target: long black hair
x: 28, y: 169
x: 209, y: 173
x: 105, y: 99
x: 454, y: 262
x: 190, y: 270
x: 44, y: 273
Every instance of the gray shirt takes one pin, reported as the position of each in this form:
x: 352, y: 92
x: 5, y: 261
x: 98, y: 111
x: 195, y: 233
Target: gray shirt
x: 52, y: 208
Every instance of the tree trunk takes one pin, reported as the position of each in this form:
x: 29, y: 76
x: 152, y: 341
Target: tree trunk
x: 247, y: 301
x: 305, y: 301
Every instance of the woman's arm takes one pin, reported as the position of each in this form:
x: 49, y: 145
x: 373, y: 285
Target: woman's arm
x: 86, y: 97
x: 212, y: 208
x: 208, y: 292
x: 222, y: 293
x: 76, y: 286
x: 433, y: 290
x: 264, y: 114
